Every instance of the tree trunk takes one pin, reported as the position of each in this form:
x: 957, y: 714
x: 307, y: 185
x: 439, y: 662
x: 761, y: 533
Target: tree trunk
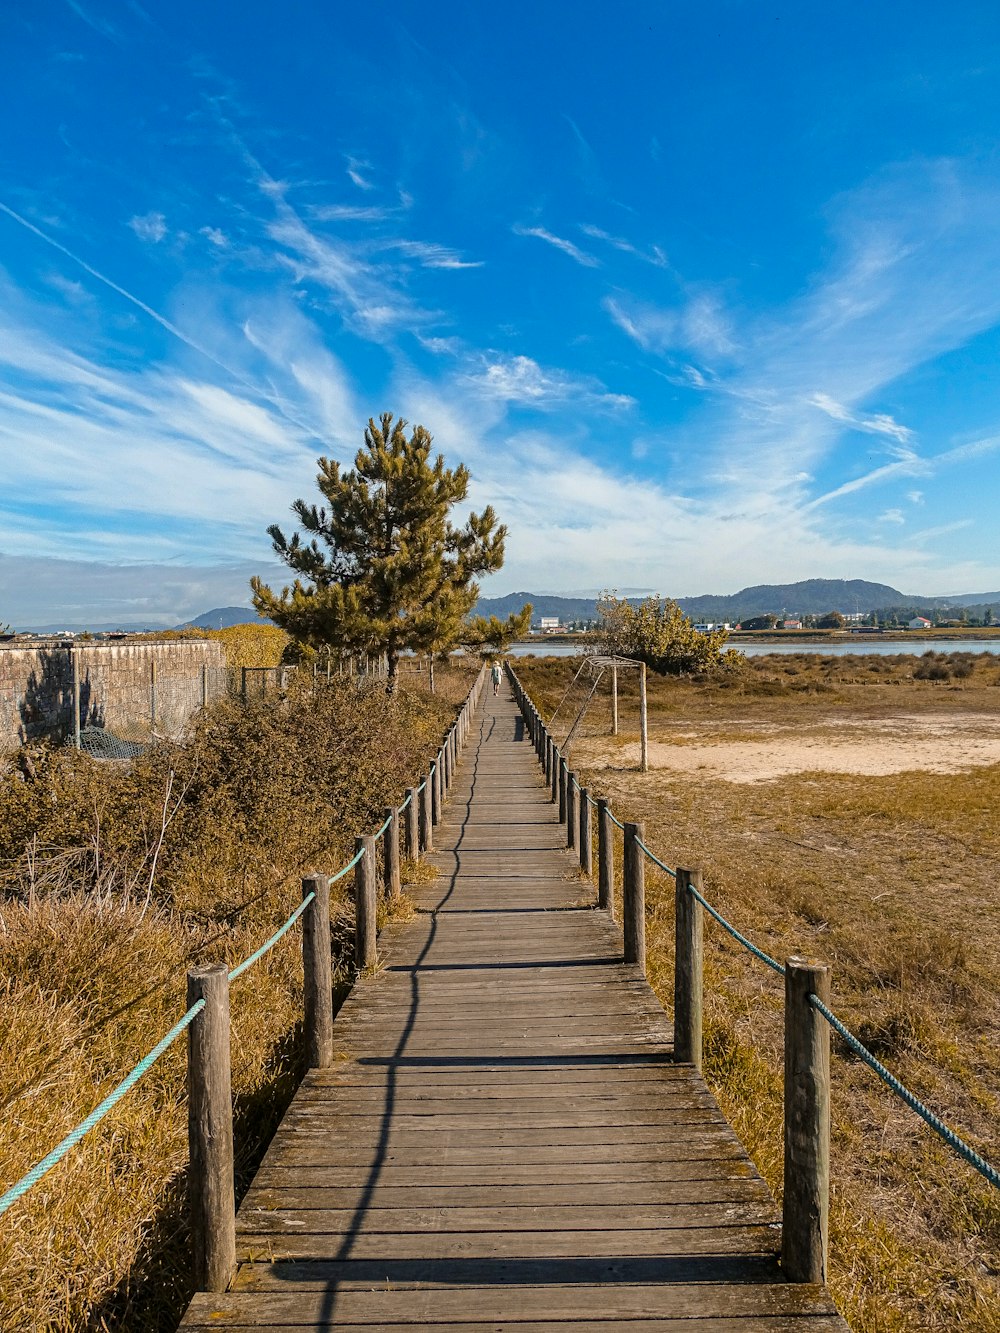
x: 392, y: 671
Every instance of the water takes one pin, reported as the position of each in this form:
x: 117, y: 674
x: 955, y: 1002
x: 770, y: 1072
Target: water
x: 864, y: 648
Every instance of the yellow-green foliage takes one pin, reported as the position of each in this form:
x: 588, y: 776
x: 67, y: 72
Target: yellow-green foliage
x: 253, y: 645
x: 658, y: 633
x: 115, y: 880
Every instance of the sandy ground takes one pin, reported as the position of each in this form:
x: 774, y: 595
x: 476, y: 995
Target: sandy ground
x: 937, y: 743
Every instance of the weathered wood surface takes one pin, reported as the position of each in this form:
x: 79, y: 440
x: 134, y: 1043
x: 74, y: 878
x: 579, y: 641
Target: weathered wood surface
x: 503, y: 1141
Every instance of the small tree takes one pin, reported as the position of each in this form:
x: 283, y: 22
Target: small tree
x: 767, y: 621
x: 384, y: 570
x: 493, y: 637
x: 658, y: 633
x: 832, y: 620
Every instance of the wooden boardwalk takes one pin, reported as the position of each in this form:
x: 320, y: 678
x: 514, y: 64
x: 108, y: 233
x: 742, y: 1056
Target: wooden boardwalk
x: 504, y: 1142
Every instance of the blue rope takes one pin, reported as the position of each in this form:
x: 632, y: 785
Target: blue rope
x: 655, y: 859
x: 249, y: 962
x: 914, y: 1103
x: 757, y: 953
x: 350, y: 866
x: 383, y: 828
x: 98, y: 1113
x: 616, y: 821
x: 409, y: 798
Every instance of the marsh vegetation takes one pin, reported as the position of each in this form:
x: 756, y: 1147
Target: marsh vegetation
x: 115, y: 879
x: 883, y: 867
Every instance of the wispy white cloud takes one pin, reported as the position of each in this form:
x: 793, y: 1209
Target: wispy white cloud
x: 349, y: 213
x: 891, y: 516
x: 519, y: 379
x: 431, y: 255
x: 879, y: 423
x: 654, y: 256
x: 355, y: 169
x: 560, y: 243
x: 149, y: 227
x: 699, y: 325
x: 96, y: 21
x: 215, y: 237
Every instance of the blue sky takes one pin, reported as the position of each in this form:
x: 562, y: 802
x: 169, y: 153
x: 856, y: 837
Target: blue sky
x: 705, y: 295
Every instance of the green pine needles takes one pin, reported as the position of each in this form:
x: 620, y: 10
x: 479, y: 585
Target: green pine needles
x: 381, y: 568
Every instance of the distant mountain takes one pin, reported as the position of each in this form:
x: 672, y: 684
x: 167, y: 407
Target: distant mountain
x: 543, y: 604
x: 224, y: 616
x: 809, y: 598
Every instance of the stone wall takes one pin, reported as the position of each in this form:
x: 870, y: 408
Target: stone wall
x: 132, y: 689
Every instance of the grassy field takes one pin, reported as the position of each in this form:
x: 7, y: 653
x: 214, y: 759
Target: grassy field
x: 805, y: 788
x: 114, y: 879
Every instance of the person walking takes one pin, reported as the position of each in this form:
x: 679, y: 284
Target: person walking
x: 496, y: 675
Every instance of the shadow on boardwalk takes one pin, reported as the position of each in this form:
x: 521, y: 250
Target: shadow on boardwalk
x: 506, y: 1141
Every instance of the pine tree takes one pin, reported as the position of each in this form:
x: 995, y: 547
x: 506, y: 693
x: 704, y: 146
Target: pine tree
x: 382, y: 569
x: 493, y: 637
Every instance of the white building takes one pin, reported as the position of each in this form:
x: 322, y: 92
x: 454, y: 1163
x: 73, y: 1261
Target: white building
x: 918, y: 622
x: 549, y: 624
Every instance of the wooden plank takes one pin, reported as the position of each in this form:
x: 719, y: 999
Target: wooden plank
x: 708, y: 1240
x: 415, y: 1306
x: 503, y: 1140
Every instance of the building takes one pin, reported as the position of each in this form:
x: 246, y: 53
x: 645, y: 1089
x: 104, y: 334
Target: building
x: 791, y: 624
x: 918, y: 622
x: 549, y: 624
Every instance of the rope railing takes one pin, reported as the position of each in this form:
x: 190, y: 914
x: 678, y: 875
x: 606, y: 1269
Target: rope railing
x: 310, y: 898
x: 949, y: 1136
x: 633, y: 895
x: 41, y: 1168
x: 269, y: 944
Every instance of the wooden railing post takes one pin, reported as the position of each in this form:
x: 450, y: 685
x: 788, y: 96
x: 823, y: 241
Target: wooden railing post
x: 436, y: 790
x: 586, y: 849
x: 572, y: 817
x: 605, y: 857
x: 634, y: 898
x: 445, y: 767
x: 556, y: 759
x: 806, y: 1199
x: 426, y: 822
x: 317, y: 973
x: 390, y: 856
x: 210, y: 1130
x: 413, y: 824
x: 549, y: 747
x: 365, y: 904
x: 688, y: 967
x: 563, y: 773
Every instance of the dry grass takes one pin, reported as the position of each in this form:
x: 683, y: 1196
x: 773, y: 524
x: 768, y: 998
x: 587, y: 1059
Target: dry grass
x: 106, y: 901
x: 892, y: 880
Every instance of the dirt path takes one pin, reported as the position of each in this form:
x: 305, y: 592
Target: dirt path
x: 934, y: 742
